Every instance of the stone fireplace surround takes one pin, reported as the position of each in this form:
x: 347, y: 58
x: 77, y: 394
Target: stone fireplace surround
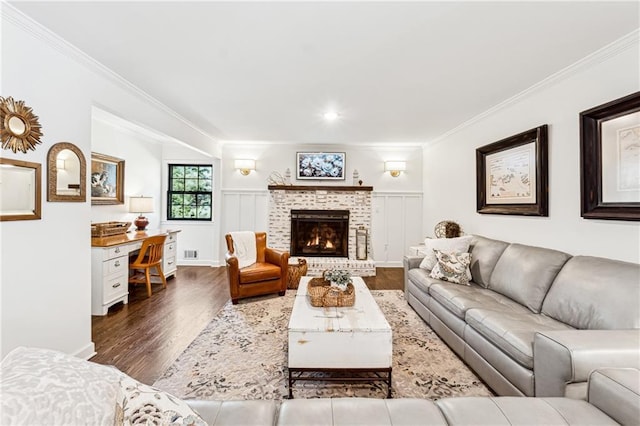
x: 355, y: 199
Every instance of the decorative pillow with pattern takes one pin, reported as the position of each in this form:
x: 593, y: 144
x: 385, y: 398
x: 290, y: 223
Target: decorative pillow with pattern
x: 146, y: 405
x: 452, y: 267
x: 458, y: 244
x: 47, y: 387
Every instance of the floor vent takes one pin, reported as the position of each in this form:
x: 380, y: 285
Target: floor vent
x: 191, y: 254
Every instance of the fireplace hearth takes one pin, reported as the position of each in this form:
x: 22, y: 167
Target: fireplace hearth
x: 320, y: 233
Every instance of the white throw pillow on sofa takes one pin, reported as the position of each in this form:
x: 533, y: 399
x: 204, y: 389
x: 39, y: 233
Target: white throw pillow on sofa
x: 458, y: 244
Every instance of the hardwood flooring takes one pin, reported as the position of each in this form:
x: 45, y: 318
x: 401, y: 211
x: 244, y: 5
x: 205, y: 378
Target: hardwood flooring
x: 144, y: 337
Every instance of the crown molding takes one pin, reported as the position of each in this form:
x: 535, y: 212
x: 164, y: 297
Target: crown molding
x: 12, y: 15
x: 624, y: 43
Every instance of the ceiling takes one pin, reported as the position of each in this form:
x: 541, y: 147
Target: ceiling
x: 396, y: 72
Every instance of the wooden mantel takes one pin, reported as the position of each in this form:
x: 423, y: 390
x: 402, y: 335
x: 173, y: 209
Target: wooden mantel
x: 319, y: 188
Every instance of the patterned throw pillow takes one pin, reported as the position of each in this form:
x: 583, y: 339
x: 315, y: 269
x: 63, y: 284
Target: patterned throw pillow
x: 47, y: 387
x: 146, y: 405
x: 452, y: 267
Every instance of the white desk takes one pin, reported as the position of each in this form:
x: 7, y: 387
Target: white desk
x: 110, y: 265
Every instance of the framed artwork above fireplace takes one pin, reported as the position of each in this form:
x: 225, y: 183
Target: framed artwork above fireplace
x: 320, y: 165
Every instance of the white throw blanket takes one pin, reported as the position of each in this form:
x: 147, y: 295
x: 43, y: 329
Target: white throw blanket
x: 244, y: 247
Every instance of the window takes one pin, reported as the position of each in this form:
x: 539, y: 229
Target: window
x: 190, y: 195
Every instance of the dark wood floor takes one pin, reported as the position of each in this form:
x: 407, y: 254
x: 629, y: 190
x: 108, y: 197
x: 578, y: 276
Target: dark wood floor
x: 146, y: 336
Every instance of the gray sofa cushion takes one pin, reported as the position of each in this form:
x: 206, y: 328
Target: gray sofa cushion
x: 485, y: 253
x: 525, y: 273
x: 359, y: 411
x: 512, y: 331
x: 582, y: 294
x: 459, y: 298
x: 246, y: 413
x: 521, y: 411
x: 420, y: 277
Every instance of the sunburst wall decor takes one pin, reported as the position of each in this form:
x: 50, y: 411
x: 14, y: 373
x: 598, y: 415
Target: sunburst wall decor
x: 19, y: 127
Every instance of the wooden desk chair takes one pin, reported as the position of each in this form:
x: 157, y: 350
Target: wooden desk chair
x: 150, y: 256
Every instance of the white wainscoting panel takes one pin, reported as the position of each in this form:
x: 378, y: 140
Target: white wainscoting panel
x: 396, y: 225
x: 396, y: 221
x: 242, y: 210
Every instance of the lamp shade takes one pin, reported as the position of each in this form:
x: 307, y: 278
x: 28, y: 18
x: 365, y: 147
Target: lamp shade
x: 141, y: 204
x: 398, y: 166
x: 245, y: 164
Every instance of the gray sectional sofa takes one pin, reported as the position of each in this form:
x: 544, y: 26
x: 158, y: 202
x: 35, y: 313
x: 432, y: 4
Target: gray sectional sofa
x: 533, y: 321
x: 43, y: 387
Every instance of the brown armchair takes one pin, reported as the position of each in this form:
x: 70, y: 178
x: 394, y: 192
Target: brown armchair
x: 267, y: 275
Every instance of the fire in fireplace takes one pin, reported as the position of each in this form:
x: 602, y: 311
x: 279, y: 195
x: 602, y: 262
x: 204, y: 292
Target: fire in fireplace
x: 320, y: 233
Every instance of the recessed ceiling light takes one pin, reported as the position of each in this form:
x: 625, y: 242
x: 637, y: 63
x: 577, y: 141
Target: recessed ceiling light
x: 330, y: 115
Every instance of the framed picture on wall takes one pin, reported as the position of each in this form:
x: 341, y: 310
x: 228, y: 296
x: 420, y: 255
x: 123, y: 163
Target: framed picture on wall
x: 512, y: 175
x: 107, y: 179
x: 610, y: 160
x: 320, y: 165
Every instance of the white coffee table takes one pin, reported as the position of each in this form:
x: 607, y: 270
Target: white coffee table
x: 355, y: 339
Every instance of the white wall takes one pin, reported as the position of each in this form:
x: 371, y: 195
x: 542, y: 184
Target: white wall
x: 367, y: 159
x: 45, y: 291
x: 143, y: 162
x: 397, y: 202
x: 200, y: 236
x: 450, y: 170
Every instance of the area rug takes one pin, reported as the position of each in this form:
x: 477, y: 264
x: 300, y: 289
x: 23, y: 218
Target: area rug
x: 242, y: 354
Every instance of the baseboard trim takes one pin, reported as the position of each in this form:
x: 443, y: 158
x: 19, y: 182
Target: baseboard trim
x: 198, y: 262
x: 390, y: 264
x: 88, y: 351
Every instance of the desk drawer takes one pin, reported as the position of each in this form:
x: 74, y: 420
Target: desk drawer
x: 169, y: 250
x: 171, y: 238
x: 114, y: 266
x: 115, y: 286
x: 168, y: 265
x: 121, y: 250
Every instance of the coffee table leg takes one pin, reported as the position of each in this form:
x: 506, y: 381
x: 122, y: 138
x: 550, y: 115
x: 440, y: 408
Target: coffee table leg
x: 290, y: 386
x: 389, y: 385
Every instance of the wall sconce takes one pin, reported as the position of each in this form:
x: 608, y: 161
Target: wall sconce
x: 141, y: 205
x: 60, y: 165
x: 245, y: 166
x: 395, y: 167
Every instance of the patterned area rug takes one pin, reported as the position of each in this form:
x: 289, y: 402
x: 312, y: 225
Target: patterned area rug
x: 242, y: 354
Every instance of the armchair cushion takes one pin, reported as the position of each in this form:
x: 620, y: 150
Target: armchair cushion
x: 259, y: 272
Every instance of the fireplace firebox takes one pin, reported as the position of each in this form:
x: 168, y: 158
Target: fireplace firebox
x: 320, y: 233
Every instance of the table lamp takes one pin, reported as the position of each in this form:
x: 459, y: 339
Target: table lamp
x: 141, y: 205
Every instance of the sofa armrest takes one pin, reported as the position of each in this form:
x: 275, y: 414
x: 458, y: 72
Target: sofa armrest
x: 616, y: 392
x: 410, y: 262
x: 568, y: 356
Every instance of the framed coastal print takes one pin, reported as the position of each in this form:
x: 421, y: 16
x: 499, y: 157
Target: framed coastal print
x: 320, y: 165
x: 610, y: 160
x: 512, y: 175
x: 107, y: 179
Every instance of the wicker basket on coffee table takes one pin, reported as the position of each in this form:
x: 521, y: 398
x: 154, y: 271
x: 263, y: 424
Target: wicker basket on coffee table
x: 322, y: 294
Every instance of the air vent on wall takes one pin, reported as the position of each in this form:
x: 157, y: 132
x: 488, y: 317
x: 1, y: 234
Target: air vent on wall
x: 191, y: 254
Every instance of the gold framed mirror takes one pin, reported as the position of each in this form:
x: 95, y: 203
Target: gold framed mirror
x: 66, y: 173
x: 19, y: 127
x: 20, y: 196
